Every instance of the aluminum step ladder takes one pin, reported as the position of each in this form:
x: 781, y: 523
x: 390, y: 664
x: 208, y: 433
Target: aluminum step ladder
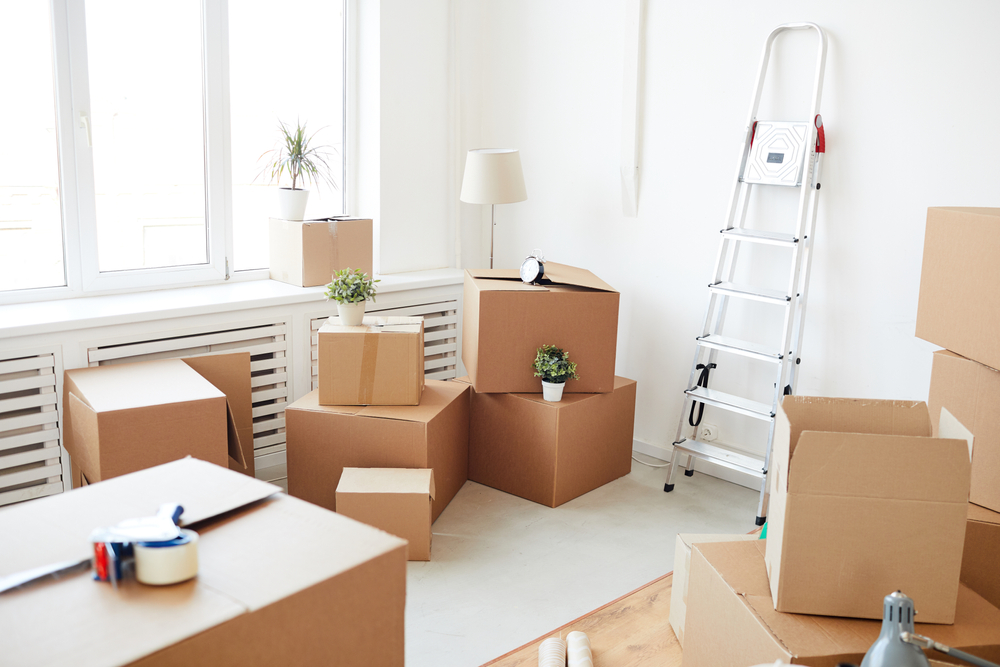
x: 774, y: 154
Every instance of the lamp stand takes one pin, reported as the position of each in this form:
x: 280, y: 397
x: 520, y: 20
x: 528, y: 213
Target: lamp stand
x: 493, y: 222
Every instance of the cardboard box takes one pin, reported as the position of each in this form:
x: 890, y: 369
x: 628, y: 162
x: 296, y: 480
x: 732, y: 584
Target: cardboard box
x: 981, y: 557
x: 731, y: 621
x: 551, y: 452
x: 505, y: 322
x: 959, y: 305
x: 396, y: 500
x: 682, y: 570
x: 126, y: 417
x: 322, y: 440
x: 970, y: 392
x: 308, y: 253
x: 864, y: 502
x: 321, y: 586
x: 378, y: 363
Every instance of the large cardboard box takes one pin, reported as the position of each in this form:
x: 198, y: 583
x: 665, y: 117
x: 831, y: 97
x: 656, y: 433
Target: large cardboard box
x: 505, y: 321
x: 396, y: 500
x: 123, y: 418
x: 322, y: 440
x: 551, y: 452
x: 864, y: 502
x: 380, y: 362
x: 308, y: 253
x: 959, y: 305
x: 280, y: 581
x: 682, y: 571
x: 970, y: 392
x: 731, y: 620
x: 981, y: 557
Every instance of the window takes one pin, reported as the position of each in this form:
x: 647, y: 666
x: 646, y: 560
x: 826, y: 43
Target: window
x: 142, y: 169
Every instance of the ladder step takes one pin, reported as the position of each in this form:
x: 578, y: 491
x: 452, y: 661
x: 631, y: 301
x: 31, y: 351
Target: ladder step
x: 722, y: 456
x: 754, y: 236
x: 738, y: 404
x: 742, y: 347
x: 752, y: 293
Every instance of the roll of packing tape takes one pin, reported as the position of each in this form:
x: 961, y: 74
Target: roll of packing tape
x: 552, y: 653
x: 171, y: 562
x: 578, y: 650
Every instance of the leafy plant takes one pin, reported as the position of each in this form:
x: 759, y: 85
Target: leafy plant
x: 296, y: 156
x: 552, y: 364
x: 351, y: 287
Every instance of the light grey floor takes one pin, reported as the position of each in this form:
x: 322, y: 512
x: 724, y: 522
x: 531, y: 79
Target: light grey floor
x: 506, y: 570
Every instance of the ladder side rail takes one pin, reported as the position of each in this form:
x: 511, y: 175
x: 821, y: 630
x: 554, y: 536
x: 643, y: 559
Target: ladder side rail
x: 765, y: 481
x: 797, y: 351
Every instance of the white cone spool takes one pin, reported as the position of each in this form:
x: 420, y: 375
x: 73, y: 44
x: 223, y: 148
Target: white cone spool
x: 552, y: 391
x: 552, y: 653
x: 172, y: 564
x: 578, y: 650
x: 352, y: 314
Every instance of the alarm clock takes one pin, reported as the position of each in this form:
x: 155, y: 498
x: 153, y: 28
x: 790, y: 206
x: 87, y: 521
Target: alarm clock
x: 533, y: 268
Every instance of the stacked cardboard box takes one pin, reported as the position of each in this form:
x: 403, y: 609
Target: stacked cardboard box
x: 308, y: 253
x: 546, y: 452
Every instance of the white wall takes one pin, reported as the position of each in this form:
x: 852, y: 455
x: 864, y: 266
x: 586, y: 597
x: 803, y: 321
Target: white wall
x: 910, y: 103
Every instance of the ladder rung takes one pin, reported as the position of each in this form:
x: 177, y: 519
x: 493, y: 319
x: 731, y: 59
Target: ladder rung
x: 754, y: 236
x: 722, y: 456
x: 743, y: 406
x: 752, y: 293
x: 742, y: 347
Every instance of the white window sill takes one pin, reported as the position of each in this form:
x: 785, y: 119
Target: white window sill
x: 26, y: 319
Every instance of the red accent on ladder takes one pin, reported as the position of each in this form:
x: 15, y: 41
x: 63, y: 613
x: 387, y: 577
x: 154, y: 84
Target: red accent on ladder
x: 820, y: 135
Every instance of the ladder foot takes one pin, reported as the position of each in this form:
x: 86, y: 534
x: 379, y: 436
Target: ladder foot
x: 667, y: 488
x: 761, y: 520
x: 689, y: 472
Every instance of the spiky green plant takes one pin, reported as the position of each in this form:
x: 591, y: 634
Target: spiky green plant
x: 295, y: 156
x: 552, y: 364
x: 351, y: 286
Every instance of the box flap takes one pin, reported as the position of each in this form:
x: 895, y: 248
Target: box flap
x: 387, y: 480
x: 142, y: 384
x: 438, y: 394
x: 970, y: 210
x: 555, y: 274
x: 983, y: 515
x: 854, y: 415
x: 230, y: 374
x: 81, y: 433
x: 375, y: 324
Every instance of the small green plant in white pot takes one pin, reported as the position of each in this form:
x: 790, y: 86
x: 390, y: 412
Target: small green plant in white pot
x: 552, y: 364
x: 297, y: 157
x: 352, y: 291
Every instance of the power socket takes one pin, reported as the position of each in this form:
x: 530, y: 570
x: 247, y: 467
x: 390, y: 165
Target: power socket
x: 708, y: 432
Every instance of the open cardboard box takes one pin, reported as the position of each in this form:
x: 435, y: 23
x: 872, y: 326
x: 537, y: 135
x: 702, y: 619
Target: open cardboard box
x: 981, y: 557
x: 307, y: 253
x: 280, y: 581
x: 396, y: 500
x: 864, y: 502
x: 126, y: 417
x: 505, y: 321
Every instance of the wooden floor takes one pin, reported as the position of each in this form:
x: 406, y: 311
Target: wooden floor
x: 633, y: 630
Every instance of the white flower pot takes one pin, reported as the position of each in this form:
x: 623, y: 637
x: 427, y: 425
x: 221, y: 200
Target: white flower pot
x: 292, y: 204
x: 351, y: 314
x: 552, y: 391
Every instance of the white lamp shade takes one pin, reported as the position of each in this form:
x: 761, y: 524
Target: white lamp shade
x: 493, y: 176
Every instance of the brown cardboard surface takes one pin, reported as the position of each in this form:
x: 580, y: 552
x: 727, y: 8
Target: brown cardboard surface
x: 505, y: 322
x: 324, y: 585
x: 324, y: 439
x: 981, y: 557
x: 396, y: 500
x: 959, y: 305
x: 230, y: 374
x: 971, y: 392
x: 380, y: 362
x: 863, y: 501
x: 731, y: 621
x: 547, y: 452
x: 123, y: 418
x: 308, y: 253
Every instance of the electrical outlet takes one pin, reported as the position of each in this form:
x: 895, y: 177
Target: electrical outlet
x: 708, y: 432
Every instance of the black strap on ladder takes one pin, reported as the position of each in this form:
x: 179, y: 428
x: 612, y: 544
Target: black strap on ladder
x: 702, y: 382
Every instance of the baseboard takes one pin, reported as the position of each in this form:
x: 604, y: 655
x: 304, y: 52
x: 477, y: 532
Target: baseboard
x: 662, y: 452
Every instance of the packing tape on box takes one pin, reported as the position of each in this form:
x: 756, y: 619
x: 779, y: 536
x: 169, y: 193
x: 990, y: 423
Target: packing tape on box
x: 171, y: 562
x: 552, y: 653
x: 368, y: 358
x: 578, y: 650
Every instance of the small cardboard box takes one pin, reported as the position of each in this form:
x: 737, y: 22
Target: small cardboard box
x: 970, y: 392
x: 959, y: 305
x: 731, y: 620
x: 378, y: 363
x: 981, y: 558
x: 308, y: 253
x: 864, y: 502
x: 396, y: 500
x: 505, y: 321
x: 126, y: 417
x: 682, y: 570
x: 280, y: 581
x: 547, y: 452
x: 322, y: 440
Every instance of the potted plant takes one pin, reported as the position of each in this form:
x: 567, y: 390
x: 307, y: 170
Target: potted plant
x: 552, y: 364
x: 351, y: 290
x: 299, y: 159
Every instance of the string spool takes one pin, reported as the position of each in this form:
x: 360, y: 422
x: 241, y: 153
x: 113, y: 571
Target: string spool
x: 169, y: 562
x: 552, y: 653
x: 578, y: 650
